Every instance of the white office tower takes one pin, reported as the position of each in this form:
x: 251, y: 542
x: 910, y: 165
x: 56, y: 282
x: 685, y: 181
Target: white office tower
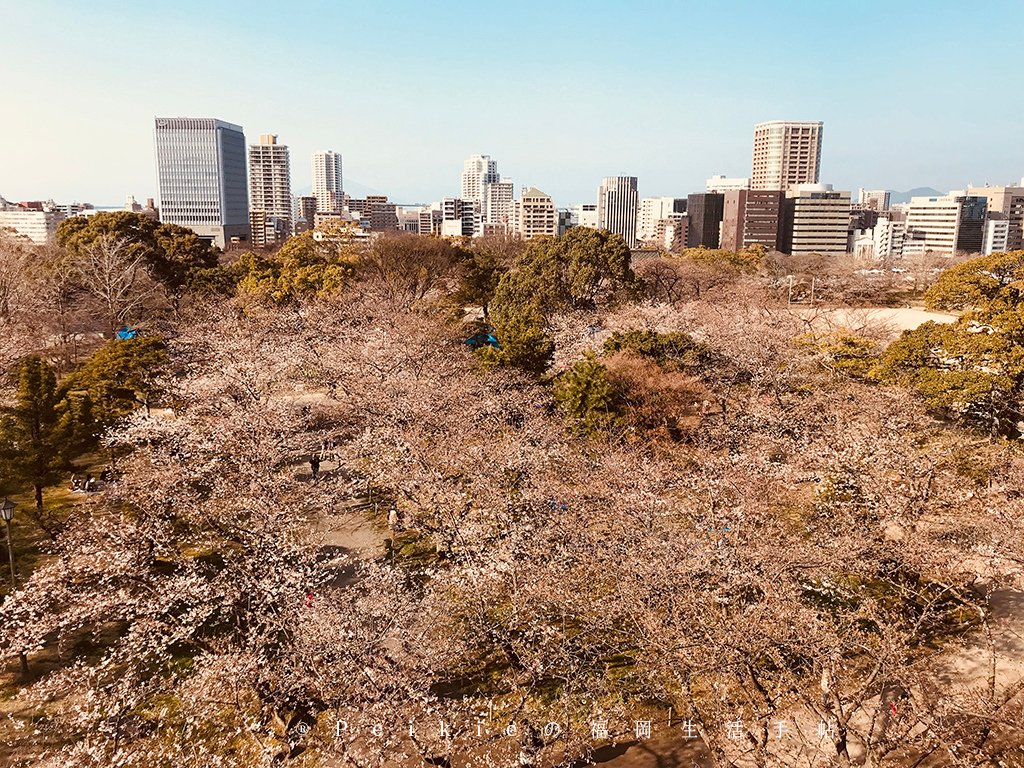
x: 327, y: 182
x: 617, y: 207
x: 477, y: 172
x: 201, y: 172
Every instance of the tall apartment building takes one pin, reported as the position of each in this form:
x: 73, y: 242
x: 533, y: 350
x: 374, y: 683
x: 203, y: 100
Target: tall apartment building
x: 534, y: 215
x: 751, y: 217
x: 816, y: 219
x: 328, y: 188
x: 270, y: 191
x: 725, y: 184
x: 873, y: 199
x: 704, y: 215
x: 201, y: 174
x: 499, y: 203
x: 949, y: 224
x: 1008, y: 201
x: 477, y: 172
x: 617, y: 201
x: 786, y: 153
x: 654, y: 210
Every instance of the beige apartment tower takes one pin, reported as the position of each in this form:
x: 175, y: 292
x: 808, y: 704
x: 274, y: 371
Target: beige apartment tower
x: 270, y: 191
x: 534, y: 214
x: 786, y: 153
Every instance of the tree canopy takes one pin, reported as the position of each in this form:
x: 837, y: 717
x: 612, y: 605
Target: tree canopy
x: 173, y: 255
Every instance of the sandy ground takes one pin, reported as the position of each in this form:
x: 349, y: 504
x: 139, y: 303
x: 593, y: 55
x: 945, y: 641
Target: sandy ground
x: 895, y: 319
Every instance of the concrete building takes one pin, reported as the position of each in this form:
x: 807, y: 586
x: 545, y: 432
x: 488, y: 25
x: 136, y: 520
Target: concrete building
x: 786, y: 153
x: 949, y: 224
x: 1008, y: 201
x: 816, y: 219
x: 458, y: 217
x: 303, y: 213
x: 378, y: 214
x: 996, y: 235
x: 671, y: 232
x: 430, y: 219
x: 270, y: 191
x: 584, y: 215
x: 704, y: 214
x: 887, y: 238
x: 36, y: 226
x: 873, y: 199
x: 499, y: 203
x: 617, y: 207
x: 651, y: 211
x: 725, y: 184
x: 328, y: 184
x: 201, y: 173
x: 477, y: 172
x: 534, y: 214
x: 751, y: 217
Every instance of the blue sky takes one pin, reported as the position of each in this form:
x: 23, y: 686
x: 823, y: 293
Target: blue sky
x: 561, y: 93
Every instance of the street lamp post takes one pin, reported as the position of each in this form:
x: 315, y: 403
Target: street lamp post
x: 7, y: 513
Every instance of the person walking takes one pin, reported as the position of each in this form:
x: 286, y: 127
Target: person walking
x: 314, y: 466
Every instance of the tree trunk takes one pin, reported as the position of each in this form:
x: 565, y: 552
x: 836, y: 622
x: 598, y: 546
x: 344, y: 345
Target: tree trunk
x: 39, y: 497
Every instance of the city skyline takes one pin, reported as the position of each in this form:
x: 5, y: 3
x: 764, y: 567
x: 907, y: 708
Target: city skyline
x: 401, y: 128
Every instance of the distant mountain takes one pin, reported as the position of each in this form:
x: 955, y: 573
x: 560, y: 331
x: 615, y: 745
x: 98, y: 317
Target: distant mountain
x: 904, y: 197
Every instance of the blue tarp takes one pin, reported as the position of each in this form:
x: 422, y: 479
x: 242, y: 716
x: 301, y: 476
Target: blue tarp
x: 127, y: 333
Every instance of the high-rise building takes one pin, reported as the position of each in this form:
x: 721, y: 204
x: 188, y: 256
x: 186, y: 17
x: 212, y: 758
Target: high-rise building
x: 704, y: 214
x: 328, y: 188
x: 477, y: 172
x: 1008, y: 201
x: 534, y: 215
x: 786, y: 153
x: 874, y: 199
x: 751, y: 217
x: 200, y: 163
x: 948, y: 224
x: 654, y: 210
x: 725, y: 184
x: 816, y: 219
x: 617, y: 207
x: 270, y: 191
x: 499, y: 202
